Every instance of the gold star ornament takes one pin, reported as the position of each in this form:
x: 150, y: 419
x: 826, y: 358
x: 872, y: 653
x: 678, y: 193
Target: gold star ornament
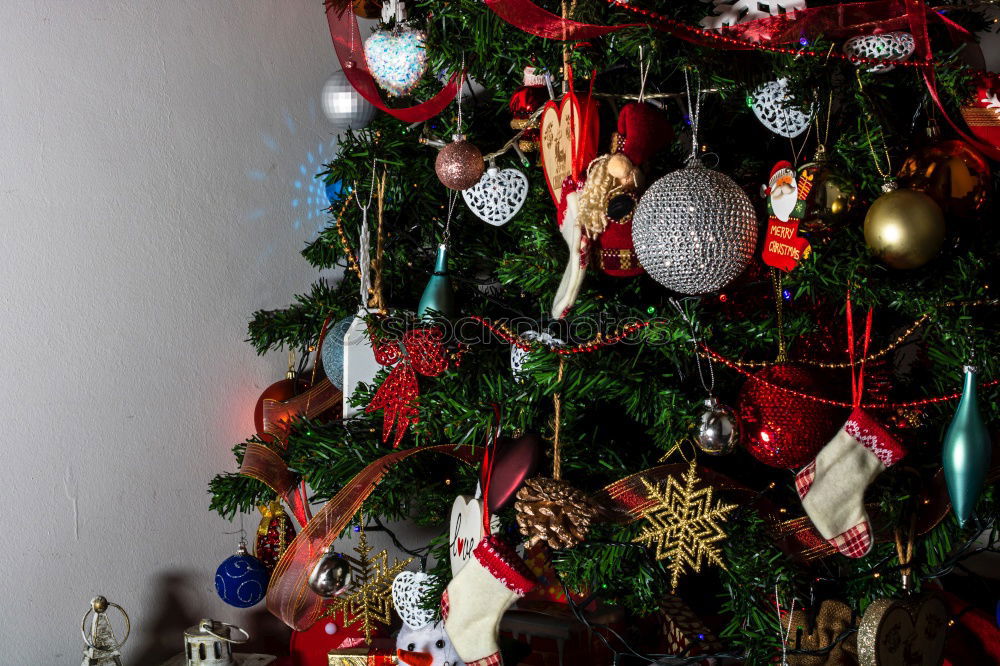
x: 683, y: 523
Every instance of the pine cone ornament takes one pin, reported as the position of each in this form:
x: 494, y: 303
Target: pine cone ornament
x: 554, y: 512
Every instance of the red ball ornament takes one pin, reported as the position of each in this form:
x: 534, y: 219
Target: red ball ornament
x: 782, y: 429
x: 274, y: 534
x: 286, y: 389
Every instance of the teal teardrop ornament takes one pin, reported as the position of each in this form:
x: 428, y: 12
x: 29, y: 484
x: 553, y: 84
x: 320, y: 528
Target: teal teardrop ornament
x: 966, y: 452
x: 438, y: 295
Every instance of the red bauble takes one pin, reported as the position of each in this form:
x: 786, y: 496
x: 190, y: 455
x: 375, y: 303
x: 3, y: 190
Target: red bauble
x: 274, y: 534
x: 286, y: 389
x: 782, y: 429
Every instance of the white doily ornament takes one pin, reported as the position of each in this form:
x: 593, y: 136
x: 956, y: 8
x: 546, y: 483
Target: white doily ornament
x: 777, y: 110
x: 408, y: 590
x: 517, y: 355
x: 731, y: 12
x: 497, y: 196
x: 898, y: 46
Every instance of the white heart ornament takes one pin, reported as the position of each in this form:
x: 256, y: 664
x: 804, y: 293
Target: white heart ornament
x: 408, y: 591
x: 517, y: 355
x: 776, y: 109
x: 498, y: 195
x: 465, y: 530
x: 397, y: 59
x: 898, y: 46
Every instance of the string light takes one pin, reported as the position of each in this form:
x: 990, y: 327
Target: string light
x: 345, y: 244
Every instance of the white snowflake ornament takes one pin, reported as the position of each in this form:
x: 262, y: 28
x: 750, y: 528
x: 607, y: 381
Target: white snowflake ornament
x: 898, y: 46
x: 498, y: 195
x: 777, y: 110
x: 731, y: 12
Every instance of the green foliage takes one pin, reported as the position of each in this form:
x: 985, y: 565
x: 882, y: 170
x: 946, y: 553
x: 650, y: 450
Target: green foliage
x: 624, y: 406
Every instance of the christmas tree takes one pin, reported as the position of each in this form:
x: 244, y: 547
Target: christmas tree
x: 756, y: 403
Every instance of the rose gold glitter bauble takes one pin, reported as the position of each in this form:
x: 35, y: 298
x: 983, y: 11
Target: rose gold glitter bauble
x: 459, y: 165
x: 779, y: 428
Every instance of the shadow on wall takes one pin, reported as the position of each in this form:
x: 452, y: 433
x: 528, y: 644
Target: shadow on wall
x: 165, y: 630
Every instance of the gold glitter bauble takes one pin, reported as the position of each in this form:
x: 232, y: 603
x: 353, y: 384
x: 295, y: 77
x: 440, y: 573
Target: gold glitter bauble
x: 952, y: 173
x: 831, y: 199
x: 459, y: 165
x: 904, y: 228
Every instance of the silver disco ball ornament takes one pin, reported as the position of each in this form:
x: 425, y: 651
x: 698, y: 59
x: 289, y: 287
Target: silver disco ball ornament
x: 694, y: 230
x: 343, y: 106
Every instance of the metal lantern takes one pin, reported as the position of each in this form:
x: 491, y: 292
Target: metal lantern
x: 210, y: 643
x: 103, y: 647
x: 343, y: 106
x: 694, y: 230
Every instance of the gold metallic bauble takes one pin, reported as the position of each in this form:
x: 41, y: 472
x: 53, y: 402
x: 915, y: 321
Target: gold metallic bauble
x: 833, y: 197
x: 459, y: 165
x: 904, y: 228
x: 952, y: 173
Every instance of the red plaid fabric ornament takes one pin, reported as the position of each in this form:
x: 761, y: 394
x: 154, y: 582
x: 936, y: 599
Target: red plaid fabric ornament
x: 420, y: 351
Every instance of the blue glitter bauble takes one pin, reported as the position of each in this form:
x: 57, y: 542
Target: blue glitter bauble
x: 332, y: 351
x: 241, y: 580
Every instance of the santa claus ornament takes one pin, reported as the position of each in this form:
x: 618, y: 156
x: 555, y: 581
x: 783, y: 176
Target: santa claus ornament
x: 787, y: 197
x: 609, y: 197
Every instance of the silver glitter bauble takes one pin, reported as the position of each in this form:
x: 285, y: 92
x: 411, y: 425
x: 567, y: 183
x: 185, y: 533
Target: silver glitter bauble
x: 332, y: 574
x: 332, y: 351
x: 694, y: 230
x: 343, y: 106
x: 718, y: 429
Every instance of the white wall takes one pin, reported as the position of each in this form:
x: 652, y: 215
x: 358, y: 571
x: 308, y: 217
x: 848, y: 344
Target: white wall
x: 149, y: 151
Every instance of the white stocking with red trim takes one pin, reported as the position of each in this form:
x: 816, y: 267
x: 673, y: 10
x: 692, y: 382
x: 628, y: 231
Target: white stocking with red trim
x: 832, y: 486
x: 477, y: 598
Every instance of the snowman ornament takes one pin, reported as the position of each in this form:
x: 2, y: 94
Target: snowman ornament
x: 428, y: 645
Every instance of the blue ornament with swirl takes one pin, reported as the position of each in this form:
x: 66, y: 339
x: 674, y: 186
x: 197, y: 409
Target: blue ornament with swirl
x: 966, y: 452
x: 241, y: 580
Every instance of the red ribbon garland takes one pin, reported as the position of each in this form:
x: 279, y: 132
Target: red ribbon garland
x: 398, y: 396
x: 349, y: 46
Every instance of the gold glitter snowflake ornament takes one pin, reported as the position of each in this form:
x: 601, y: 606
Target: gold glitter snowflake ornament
x: 684, y: 524
x: 369, y: 599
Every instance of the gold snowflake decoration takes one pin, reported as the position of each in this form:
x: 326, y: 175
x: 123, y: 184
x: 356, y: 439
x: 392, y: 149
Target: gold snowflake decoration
x: 369, y: 599
x: 684, y: 524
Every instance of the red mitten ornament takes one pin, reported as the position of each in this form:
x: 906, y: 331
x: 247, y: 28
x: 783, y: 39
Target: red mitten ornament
x: 787, y: 199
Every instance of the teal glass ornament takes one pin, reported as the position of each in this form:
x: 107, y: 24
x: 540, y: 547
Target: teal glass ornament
x: 438, y: 295
x: 966, y: 452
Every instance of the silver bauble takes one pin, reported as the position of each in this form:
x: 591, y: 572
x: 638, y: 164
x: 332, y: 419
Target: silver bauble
x: 331, y: 575
x: 332, y: 351
x: 343, y: 106
x: 694, y: 230
x: 718, y: 429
